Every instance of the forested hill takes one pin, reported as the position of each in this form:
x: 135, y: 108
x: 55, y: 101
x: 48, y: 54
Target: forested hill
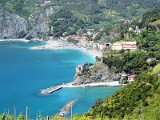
x: 139, y: 100
x: 77, y: 14
x: 87, y: 7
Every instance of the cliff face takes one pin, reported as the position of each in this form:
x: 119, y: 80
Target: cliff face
x: 39, y: 20
x: 78, y: 14
x: 12, y: 25
x: 36, y: 24
x: 94, y: 73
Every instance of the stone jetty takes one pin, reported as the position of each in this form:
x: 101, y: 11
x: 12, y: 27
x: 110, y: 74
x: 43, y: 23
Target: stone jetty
x: 66, y: 108
x: 51, y: 89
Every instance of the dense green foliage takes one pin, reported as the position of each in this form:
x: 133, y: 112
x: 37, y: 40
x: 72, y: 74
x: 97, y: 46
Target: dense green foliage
x: 98, y: 13
x: 150, y: 16
x: 82, y: 14
x: 21, y: 7
x: 128, y: 62
x: 148, y: 42
x: 130, y: 99
x: 137, y: 100
x: 65, y: 22
x: 140, y: 99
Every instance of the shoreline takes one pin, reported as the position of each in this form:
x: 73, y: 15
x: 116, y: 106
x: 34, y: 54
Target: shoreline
x: 59, y: 45
x: 71, y: 85
x: 98, y: 84
x: 14, y: 40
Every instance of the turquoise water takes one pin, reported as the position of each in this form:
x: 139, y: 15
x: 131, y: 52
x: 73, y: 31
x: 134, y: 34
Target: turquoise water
x: 24, y: 72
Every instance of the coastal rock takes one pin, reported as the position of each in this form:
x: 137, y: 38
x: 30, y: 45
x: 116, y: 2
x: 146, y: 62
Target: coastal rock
x: 12, y: 25
x: 81, y: 80
x: 96, y: 73
x: 83, y: 68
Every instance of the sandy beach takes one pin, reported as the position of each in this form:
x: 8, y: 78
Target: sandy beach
x: 71, y: 85
x: 113, y: 84
x: 59, y: 44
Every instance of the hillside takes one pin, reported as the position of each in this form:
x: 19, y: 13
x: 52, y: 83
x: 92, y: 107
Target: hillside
x: 140, y: 99
x: 56, y: 17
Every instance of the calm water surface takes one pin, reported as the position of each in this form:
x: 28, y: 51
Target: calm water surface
x: 24, y: 72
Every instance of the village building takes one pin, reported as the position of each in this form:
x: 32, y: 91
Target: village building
x: 46, y: 2
x: 102, y: 46
x: 124, y: 45
x: 127, y: 78
x: 93, y: 43
x: 123, y: 79
x: 150, y: 60
x: 131, y: 77
x: 126, y: 21
x: 95, y: 46
x: 82, y: 67
x: 50, y: 37
x: 137, y: 30
x: 104, y: 43
x: 89, y: 44
x: 83, y: 42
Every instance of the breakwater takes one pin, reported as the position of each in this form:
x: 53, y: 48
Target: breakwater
x: 66, y: 108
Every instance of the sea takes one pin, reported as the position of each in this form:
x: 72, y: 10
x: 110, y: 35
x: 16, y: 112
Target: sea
x: 24, y: 72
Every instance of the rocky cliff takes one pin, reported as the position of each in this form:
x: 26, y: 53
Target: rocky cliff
x: 12, y: 25
x: 88, y: 73
x: 36, y: 17
x: 39, y: 20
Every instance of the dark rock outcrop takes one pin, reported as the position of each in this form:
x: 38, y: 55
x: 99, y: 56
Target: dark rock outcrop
x: 96, y: 73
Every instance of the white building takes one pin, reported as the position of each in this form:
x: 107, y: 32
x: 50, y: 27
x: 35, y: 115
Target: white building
x: 124, y: 45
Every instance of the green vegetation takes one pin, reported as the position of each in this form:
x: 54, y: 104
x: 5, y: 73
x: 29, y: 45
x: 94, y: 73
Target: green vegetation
x: 11, y: 117
x: 127, y: 100
x: 148, y: 53
x: 65, y: 22
x: 128, y: 62
x: 98, y: 14
x: 150, y: 17
x: 21, y: 7
x: 82, y: 14
x: 138, y: 100
x: 156, y: 69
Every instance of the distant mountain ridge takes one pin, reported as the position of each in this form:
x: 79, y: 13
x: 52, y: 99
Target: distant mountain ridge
x: 84, y: 14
